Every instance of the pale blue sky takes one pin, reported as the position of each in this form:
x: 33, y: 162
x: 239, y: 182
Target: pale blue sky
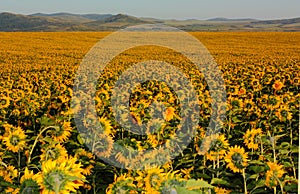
x: 178, y: 9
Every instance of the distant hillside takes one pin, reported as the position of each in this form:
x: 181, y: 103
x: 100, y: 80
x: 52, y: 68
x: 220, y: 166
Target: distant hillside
x: 97, y: 16
x: 69, y: 17
x: 220, y: 19
x: 109, y: 22
x: 17, y: 22
x: 283, y: 21
x: 112, y: 23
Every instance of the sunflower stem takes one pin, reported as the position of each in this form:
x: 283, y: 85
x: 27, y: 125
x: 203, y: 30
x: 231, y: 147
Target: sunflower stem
x: 214, y: 167
x: 218, y: 165
x: 261, y: 146
x: 291, y: 136
x: 19, y: 165
x: 3, y: 164
x: 273, y: 146
x: 280, y: 184
x: 36, y: 140
x: 245, y: 183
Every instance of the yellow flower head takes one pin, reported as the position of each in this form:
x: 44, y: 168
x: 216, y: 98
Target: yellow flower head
x: 236, y: 159
x: 63, y: 132
x: 275, y: 172
x: 9, y: 173
x: 153, y: 179
x: 106, y: 126
x: 4, y: 102
x: 28, y: 174
x: 122, y: 184
x: 54, y: 152
x: 170, y: 113
x: 217, y: 146
x: 251, y: 138
x: 278, y: 85
x: 12, y: 190
x: 219, y: 190
x: 86, y: 158
x: 104, y: 146
x: 15, y: 140
x: 29, y: 182
x: 60, y: 177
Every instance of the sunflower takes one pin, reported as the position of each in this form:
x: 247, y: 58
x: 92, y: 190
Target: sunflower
x: 251, y: 138
x: 28, y: 175
x: 63, y: 132
x: 103, y: 94
x: 14, y: 95
x: 232, y: 90
x: 219, y: 190
x: 5, y: 92
x: 267, y: 78
x: 169, y: 114
x: 283, y: 113
x: 4, y: 102
x: 15, y: 140
x: 104, y: 146
x: 9, y: 173
x: 217, y: 147
x: 296, y: 80
x: 263, y: 101
x: 29, y: 182
x: 249, y: 105
x: 62, y: 88
x: 278, y: 85
x: 274, y: 102
x: 122, y: 184
x: 236, y: 159
x: 136, y: 118
x: 187, y: 172
x: 153, y: 179
x: 242, y: 91
x: 255, y: 83
x: 44, y: 93
x: 273, y: 174
x: 106, y: 126
x: 60, y: 177
x: 54, y: 152
x: 235, y: 103
x: 10, y: 190
x: 155, y: 125
x: 86, y: 158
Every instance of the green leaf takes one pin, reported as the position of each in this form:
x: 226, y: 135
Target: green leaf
x: 193, y: 184
x: 235, y: 119
x: 182, y: 190
x: 45, y: 121
x: 256, y: 162
x: 48, y: 139
x: 254, y: 176
x: 257, y: 169
x: 79, y: 139
x: 284, y: 145
x: 287, y: 164
x: 201, y: 175
x: 217, y: 181
x: 295, y: 149
x: 258, y: 184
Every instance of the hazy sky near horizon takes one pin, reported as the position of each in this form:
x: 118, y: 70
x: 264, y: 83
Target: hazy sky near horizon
x: 165, y: 9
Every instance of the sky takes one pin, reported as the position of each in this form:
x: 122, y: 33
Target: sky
x: 162, y: 9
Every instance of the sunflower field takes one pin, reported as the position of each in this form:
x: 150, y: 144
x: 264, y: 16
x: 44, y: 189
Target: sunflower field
x: 256, y: 151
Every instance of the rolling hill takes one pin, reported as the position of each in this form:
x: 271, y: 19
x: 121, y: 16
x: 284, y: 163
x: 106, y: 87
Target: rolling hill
x: 109, y: 22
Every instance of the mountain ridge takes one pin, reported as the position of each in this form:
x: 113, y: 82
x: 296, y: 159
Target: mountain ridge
x: 63, y: 21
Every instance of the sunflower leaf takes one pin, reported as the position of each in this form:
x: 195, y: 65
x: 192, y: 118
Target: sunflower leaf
x: 193, y: 184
